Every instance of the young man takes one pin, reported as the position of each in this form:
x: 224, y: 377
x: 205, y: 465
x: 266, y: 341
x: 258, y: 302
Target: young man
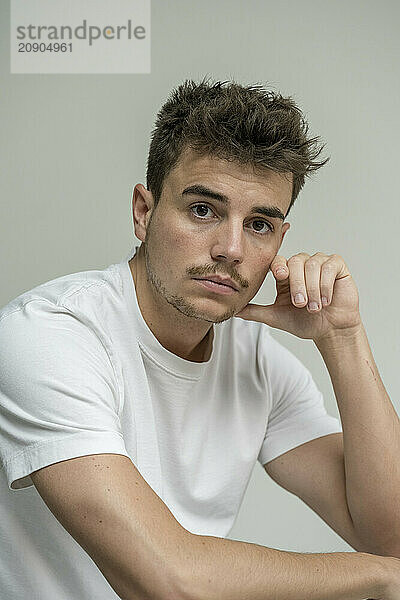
x: 134, y: 404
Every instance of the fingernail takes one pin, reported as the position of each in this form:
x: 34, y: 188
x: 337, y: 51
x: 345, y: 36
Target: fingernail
x: 299, y: 299
x: 281, y: 271
x: 324, y: 300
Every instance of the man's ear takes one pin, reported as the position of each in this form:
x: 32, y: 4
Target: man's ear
x: 285, y: 228
x: 142, y: 208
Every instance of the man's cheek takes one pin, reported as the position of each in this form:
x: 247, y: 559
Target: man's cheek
x: 255, y: 282
x: 263, y: 276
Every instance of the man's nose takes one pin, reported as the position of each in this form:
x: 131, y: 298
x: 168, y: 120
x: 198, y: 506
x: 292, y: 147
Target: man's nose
x: 228, y: 242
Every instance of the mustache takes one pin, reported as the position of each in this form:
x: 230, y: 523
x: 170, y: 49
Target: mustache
x: 210, y: 270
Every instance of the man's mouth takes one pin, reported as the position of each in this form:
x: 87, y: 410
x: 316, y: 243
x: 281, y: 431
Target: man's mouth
x: 216, y: 287
x: 218, y: 283
x: 225, y: 281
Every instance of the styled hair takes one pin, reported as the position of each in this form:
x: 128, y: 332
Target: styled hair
x: 248, y: 125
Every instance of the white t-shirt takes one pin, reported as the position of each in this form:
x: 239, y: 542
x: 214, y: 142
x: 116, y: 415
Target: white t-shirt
x: 81, y: 373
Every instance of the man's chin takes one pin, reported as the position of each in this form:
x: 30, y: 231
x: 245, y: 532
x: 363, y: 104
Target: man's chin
x: 194, y: 310
x: 220, y: 318
x: 206, y: 315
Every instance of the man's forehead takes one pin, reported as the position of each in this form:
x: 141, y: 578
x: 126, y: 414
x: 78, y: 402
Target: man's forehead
x: 223, y: 176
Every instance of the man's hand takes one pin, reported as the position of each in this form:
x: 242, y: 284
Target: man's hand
x: 315, y: 277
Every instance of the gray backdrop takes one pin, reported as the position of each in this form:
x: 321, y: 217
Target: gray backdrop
x: 74, y: 146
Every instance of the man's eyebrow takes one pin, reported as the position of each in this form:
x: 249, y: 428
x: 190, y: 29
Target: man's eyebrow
x: 200, y: 190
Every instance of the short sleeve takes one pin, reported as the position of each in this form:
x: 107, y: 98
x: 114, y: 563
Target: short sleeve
x: 297, y: 413
x: 59, y: 397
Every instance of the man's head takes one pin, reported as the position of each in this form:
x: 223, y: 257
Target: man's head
x: 249, y: 147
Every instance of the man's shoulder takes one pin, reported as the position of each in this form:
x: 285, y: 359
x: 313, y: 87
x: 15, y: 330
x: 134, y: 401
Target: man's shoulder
x: 57, y: 325
x: 60, y: 291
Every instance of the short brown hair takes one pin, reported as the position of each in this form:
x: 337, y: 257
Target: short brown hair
x: 245, y: 124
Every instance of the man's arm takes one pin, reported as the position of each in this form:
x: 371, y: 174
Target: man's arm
x: 371, y: 426
x: 371, y: 440
x: 314, y: 472
x: 223, y: 569
x: 117, y: 518
x: 143, y: 551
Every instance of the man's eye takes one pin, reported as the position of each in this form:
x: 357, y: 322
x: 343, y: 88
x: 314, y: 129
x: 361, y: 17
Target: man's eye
x: 203, y: 207
x: 261, y: 222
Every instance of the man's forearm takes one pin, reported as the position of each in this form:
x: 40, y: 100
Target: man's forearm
x: 221, y: 569
x: 371, y: 436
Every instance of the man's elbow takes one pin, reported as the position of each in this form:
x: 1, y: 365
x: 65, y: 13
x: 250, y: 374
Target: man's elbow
x: 383, y: 548
x: 393, y: 551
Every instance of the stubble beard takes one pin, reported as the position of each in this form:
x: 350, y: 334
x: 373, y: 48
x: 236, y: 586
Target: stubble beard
x: 179, y: 302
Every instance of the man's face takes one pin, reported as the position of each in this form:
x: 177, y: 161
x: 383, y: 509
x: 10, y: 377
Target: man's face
x: 192, y: 236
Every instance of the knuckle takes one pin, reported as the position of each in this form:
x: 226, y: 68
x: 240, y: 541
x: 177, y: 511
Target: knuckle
x: 297, y: 284
x: 311, y: 263
x: 328, y: 267
x: 295, y: 260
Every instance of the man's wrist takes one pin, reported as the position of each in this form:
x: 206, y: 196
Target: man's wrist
x: 341, y: 338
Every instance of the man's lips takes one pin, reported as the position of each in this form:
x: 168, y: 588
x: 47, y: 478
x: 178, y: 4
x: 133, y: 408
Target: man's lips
x: 225, y: 281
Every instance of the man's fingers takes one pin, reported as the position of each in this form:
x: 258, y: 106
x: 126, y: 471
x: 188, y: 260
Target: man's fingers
x: 279, y: 267
x: 298, y: 288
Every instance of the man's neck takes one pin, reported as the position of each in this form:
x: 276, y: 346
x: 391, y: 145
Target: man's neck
x: 184, y: 336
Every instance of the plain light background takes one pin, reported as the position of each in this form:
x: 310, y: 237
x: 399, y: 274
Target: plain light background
x: 74, y: 146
